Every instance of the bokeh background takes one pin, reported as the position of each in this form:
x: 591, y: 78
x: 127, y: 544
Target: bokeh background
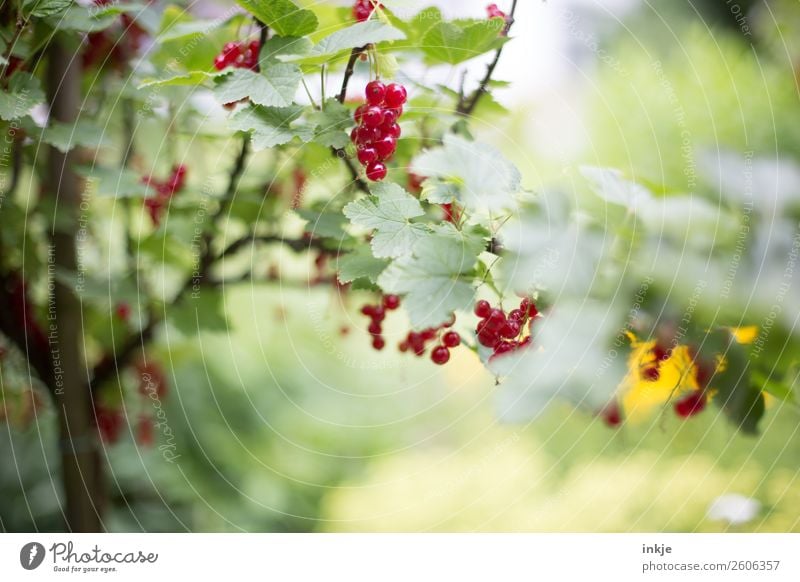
x: 291, y: 422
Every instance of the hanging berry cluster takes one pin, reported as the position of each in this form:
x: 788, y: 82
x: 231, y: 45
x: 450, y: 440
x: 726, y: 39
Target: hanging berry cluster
x: 111, y: 46
x: 504, y: 332
x: 376, y: 132
x: 240, y: 55
x: 363, y: 9
x: 377, y: 313
x: 444, y: 337
x: 165, y: 190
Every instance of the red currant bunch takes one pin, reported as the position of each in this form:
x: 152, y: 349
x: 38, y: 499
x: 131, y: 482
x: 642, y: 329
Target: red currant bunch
x: 445, y: 338
x: 109, y: 421
x: 377, y: 313
x: 503, y: 332
x: 363, y: 9
x: 240, y: 55
x: 164, y: 191
x: 376, y: 132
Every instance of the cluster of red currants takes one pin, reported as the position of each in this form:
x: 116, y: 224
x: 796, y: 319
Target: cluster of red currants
x: 446, y: 339
x: 165, y: 190
x: 376, y: 132
x: 113, y: 47
x: 363, y: 9
x: 240, y: 55
x: 501, y: 331
x: 377, y: 313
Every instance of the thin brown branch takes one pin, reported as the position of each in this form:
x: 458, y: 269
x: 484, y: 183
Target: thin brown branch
x: 466, y: 105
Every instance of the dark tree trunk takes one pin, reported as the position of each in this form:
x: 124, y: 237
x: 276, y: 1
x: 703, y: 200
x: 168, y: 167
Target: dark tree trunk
x: 79, y: 458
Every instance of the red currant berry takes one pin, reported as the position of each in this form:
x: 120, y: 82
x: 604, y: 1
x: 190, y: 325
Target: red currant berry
x: 358, y: 114
x: 611, y: 415
x: 366, y: 135
x: 440, y: 355
x: 496, y: 319
x: 691, y: 404
x: 390, y: 130
x: 220, y: 62
x: 374, y: 328
x: 451, y: 339
x: 391, y: 301
x: 516, y: 315
x: 372, y: 116
x: 510, y: 330
x: 378, y: 343
x: 403, y: 346
x: 482, y: 308
x: 385, y: 147
x: 376, y: 172
x: 378, y: 313
x: 395, y: 95
x: 488, y: 338
x: 367, y: 155
x: 375, y: 92
x: 390, y: 116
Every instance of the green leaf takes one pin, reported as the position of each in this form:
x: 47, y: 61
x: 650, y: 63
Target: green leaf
x: 270, y: 126
x: 740, y: 400
x: 91, y: 18
x: 346, y: 39
x: 431, y: 279
x: 572, y: 364
x: 24, y: 92
x: 279, y: 46
x: 360, y: 263
x: 389, y: 211
x: 282, y: 16
x: 460, y: 40
x: 610, y: 185
x: 201, y: 311
x: 485, y: 180
x: 275, y: 86
x: 331, y: 124
x: 116, y: 182
x: 66, y: 136
x: 324, y: 224
x: 44, y: 8
x: 186, y: 79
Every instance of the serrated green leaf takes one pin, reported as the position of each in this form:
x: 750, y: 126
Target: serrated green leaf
x: 44, y: 8
x: 460, y: 40
x: 282, y: 16
x: 360, y: 263
x: 324, y: 224
x: 66, y: 136
x: 91, y: 18
x: 331, y: 124
x: 346, y: 39
x: 24, y: 92
x: 279, y: 46
x: 186, y: 79
x: 270, y: 126
x: 431, y: 279
x: 389, y: 211
x: 485, y: 180
x: 275, y: 86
